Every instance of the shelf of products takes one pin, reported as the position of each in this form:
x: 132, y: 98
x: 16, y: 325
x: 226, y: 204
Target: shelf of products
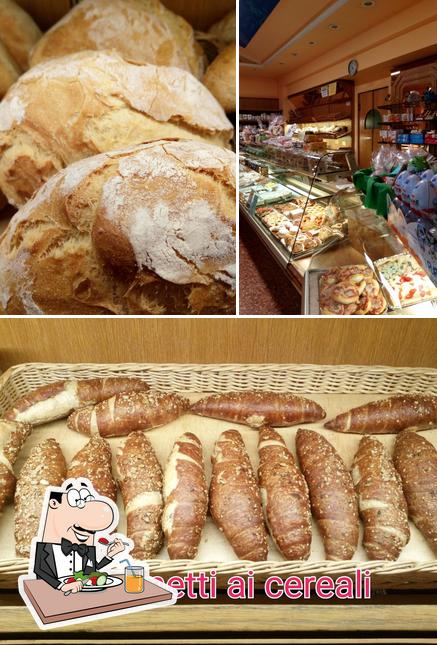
x: 413, y: 121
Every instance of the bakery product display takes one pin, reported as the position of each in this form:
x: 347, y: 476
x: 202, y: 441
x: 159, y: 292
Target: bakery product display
x: 381, y: 501
x: 186, y: 498
x: 123, y: 413
x: 415, y: 459
x: 396, y: 413
x: 405, y: 280
x: 140, y: 481
x: 93, y: 461
x: 258, y: 408
x: 142, y: 31
x: 235, y: 502
x: 44, y: 467
x: 148, y: 230
x: 56, y: 400
x: 350, y: 290
x: 12, y: 437
x: 220, y: 77
x: 126, y: 104
x: 18, y: 32
x: 333, y: 500
x: 284, y: 495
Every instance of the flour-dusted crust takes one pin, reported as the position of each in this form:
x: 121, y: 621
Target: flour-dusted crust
x: 91, y: 102
x: 142, y: 31
x: 225, y: 30
x: 220, y: 78
x: 149, y: 230
x: 18, y: 32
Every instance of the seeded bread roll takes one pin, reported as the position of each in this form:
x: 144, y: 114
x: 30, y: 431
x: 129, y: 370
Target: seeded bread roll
x: 186, y: 498
x: 93, y: 461
x: 91, y: 102
x: 140, y: 481
x: 146, y: 231
x: 333, y: 500
x: 381, y: 501
x: 18, y: 32
x: 220, y: 78
x: 9, y: 70
x: 142, y: 31
x: 12, y: 437
x: 44, y: 467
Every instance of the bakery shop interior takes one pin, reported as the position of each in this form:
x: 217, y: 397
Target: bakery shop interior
x: 117, y: 157
x: 237, y: 448
x: 338, y: 157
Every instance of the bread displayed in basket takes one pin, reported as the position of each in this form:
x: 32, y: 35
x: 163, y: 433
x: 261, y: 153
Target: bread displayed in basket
x: 381, y: 501
x: 284, y: 495
x: 399, y: 412
x: 235, y: 502
x: 93, y: 461
x: 18, y: 32
x: 142, y: 31
x: 186, y: 498
x: 415, y: 459
x: 44, y: 467
x: 92, y: 102
x: 123, y: 413
x: 57, y: 400
x: 258, y: 408
x: 148, y: 230
x: 333, y: 500
x: 220, y: 77
x: 12, y: 437
x: 140, y: 481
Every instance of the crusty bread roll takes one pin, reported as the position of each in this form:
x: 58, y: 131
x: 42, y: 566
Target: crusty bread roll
x: 149, y: 230
x: 18, y: 32
x: 142, y: 31
x: 225, y: 30
x: 9, y: 70
x: 220, y: 77
x: 92, y: 102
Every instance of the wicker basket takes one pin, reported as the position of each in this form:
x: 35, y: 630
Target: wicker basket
x: 305, y: 379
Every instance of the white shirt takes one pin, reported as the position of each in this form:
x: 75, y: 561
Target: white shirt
x: 67, y: 565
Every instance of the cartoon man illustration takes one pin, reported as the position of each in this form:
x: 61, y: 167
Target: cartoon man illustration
x: 73, y: 517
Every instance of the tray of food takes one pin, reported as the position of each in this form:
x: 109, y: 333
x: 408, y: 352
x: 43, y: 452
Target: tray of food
x: 405, y: 281
x: 303, y: 228
x: 147, y: 434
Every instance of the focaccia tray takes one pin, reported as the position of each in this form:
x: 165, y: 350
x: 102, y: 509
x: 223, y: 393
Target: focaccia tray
x: 336, y: 388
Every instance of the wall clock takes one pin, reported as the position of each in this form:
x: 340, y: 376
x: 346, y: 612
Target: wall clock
x: 352, y: 67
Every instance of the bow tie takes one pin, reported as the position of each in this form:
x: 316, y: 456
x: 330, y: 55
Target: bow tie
x: 67, y: 547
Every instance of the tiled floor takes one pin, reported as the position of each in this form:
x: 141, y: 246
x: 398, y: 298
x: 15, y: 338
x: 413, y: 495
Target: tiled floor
x: 264, y: 289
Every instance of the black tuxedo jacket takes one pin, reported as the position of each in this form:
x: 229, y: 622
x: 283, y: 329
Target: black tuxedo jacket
x: 45, y: 565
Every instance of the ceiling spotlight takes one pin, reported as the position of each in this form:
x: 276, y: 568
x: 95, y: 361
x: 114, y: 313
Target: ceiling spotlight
x: 368, y: 3
x: 395, y: 73
x: 333, y: 26
x: 294, y: 53
x: 312, y: 42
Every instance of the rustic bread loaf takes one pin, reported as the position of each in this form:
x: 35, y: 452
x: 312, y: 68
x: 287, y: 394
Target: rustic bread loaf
x: 146, y: 231
x: 94, y: 461
x: 92, y: 102
x: 381, y: 501
x: 18, y: 32
x: 140, y: 482
x: 9, y: 70
x: 225, y: 30
x: 220, y: 78
x: 56, y: 400
x: 257, y: 408
x: 142, y: 31
x: 44, y: 467
x: 415, y: 459
x: 186, y: 498
x: 235, y: 501
x: 285, y: 498
x: 333, y: 500
x: 399, y: 412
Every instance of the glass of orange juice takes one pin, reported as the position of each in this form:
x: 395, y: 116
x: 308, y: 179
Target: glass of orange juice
x: 134, y: 579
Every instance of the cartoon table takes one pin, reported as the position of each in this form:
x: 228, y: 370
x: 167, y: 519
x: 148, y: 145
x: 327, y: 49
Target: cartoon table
x: 53, y: 607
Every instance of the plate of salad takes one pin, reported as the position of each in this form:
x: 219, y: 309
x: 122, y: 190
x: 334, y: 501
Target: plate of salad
x: 94, y: 581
